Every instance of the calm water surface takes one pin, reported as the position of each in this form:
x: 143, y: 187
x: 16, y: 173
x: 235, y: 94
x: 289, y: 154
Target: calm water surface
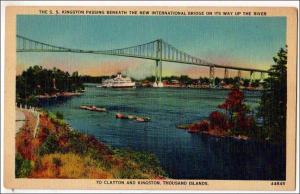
x: 182, y: 155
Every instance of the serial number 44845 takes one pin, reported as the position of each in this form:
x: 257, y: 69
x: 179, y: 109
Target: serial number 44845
x: 277, y: 183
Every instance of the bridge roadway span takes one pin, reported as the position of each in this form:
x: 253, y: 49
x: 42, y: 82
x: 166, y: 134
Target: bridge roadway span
x: 157, y: 50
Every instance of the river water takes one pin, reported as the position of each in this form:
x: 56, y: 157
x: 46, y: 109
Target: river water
x: 182, y: 155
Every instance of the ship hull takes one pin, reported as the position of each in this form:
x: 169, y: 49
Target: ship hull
x: 122, y: 87
x: 117, y: 86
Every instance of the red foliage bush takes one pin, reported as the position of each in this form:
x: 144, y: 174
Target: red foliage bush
x: 234, y: 101
x: 203, y: 125
x: 63, y: 141
x: 193, y: 129
x: 200, y: 126
x: 218, y: 121
x: 43, y: 134
x: 26, y: 145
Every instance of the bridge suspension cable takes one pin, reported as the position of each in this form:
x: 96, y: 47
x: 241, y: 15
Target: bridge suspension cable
x: 158, y: 50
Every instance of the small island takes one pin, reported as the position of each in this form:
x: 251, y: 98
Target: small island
x: 228, y: 123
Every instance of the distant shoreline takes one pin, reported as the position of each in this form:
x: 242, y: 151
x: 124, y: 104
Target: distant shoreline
x: 182, y: 87
x: 59, y: 94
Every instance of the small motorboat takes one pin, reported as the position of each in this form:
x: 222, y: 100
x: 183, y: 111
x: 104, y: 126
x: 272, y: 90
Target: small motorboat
x: 132, y: 117
x: 142, y: 119
x: 121, y: 116
x: 93, y: 108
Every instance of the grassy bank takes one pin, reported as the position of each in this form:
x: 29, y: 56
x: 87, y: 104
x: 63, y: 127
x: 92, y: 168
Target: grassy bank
x: 57, y: 151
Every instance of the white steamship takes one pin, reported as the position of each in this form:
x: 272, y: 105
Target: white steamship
x: 117, y: 82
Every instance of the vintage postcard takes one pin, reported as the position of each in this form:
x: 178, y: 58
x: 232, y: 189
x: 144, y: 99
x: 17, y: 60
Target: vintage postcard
x: 177, y: 98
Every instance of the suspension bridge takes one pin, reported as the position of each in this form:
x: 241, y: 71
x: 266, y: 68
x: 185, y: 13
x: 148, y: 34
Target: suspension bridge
x: 157, y: 50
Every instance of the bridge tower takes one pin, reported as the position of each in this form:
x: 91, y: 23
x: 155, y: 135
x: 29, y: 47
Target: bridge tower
x: 156, y: 73
x: 226, y: 73
x: 239, y: 74
x: 251, y: 78
x: 212, y: 76
x: 158, y: 66
x: 261, y: 77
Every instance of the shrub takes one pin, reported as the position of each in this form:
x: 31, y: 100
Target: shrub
x: 57, y: 118
x: 203, y: 125
x: 138, y: 164
x: 49, y: 146
x: 23, y: 166
x: 76, y: 145
x: 25, y: 144
x: 43, y: 134
x: 218, y: 121
x: 51, y: 116
x: 103, y: 161
x: 59, y: 115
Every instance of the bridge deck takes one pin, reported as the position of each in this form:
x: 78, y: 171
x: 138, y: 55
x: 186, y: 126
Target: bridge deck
x: 157, y: 50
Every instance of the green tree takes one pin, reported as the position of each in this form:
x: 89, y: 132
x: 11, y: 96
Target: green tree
x: 184, y: 79
x: 59, y: 115
x: 273, y: 101
x: 217, y: 81
x: 37, y: 80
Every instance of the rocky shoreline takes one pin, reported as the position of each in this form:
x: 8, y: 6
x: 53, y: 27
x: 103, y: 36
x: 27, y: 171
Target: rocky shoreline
x: 58, y: 151
x: 213, y: 132
x: 59, y: 94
